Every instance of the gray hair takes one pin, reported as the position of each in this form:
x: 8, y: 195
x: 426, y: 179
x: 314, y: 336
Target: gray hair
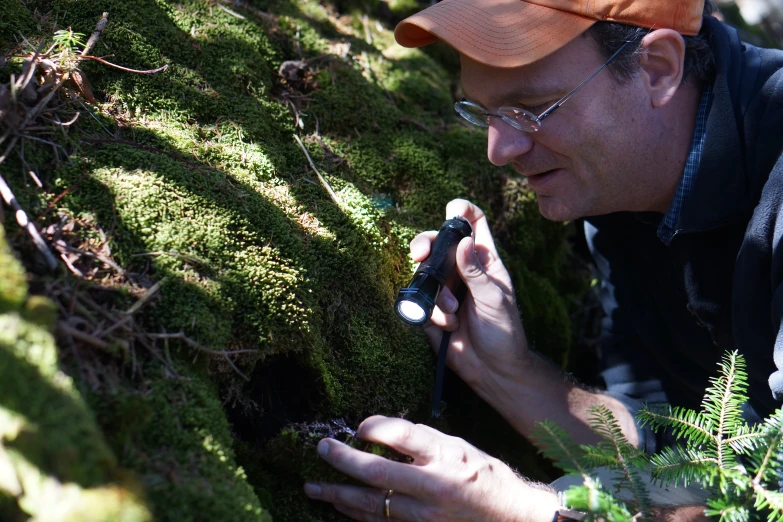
x: 699, y: 58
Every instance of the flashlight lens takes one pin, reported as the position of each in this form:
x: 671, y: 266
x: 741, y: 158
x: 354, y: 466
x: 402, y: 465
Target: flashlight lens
x: 411, y: 311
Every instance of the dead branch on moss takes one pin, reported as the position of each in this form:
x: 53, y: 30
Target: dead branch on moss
x: 144, y: 299
x: 99, y: 28
x: 193, y: 344
x: 265, y: 17
x: 231, y: 12
x: 94, y: 321
x: 27, y: 112
x: 325, y: 184
x: 121, y: 68
x: 66, y: 329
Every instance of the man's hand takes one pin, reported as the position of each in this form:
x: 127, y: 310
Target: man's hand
x: 487, y: 334
x: 448, y: 480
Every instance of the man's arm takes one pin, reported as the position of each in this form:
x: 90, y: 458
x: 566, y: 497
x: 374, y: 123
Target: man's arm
x: 540, y: 391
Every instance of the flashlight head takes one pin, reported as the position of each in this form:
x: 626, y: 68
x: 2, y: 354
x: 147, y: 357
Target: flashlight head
x: 415, y: 303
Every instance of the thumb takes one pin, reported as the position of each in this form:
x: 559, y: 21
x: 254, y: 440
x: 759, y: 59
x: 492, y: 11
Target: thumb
x: 471, y: 270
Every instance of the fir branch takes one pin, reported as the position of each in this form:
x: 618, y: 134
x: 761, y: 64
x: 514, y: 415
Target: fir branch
x: 592, y: 499
x: 728, y: 511
x: 723, y: 403
x: 732, y: 483
x: 685, y: 423
x: 770, y: 500
x: 558, y: 446
x: 628, y: 458
x: 772, y: 435
x: 745, y: 439
x: 596, y: 457
x: 677, y: 465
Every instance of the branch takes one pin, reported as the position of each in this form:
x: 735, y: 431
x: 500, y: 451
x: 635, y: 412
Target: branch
x: 190, y: 342
x: 81, y: 336
x: 320, y: 178
x: 21, y: 215
x: 144, y: 299
x: 120, y: 67
x: 99, y: 27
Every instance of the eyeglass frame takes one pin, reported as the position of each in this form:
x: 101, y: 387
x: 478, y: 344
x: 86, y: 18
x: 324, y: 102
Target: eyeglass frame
x: 535, y: 120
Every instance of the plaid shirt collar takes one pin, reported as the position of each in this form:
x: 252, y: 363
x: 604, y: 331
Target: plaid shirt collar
x: 668, y: 224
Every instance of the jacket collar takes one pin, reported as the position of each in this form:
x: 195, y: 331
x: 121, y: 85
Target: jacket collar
x: 721, y: 193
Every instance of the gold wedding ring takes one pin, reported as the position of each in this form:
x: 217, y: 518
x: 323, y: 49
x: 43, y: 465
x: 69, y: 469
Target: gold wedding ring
x: 386, y: 510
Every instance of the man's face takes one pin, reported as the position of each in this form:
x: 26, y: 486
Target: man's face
x: 593, y: 155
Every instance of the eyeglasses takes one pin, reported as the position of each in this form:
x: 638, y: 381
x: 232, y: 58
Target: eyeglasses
x: 520, y: 118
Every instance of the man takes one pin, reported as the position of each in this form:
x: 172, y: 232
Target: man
x: 672, y: 155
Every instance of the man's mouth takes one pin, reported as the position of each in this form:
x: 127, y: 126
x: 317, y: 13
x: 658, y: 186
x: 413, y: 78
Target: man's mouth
x: 539, y: 180
x: 530, y: 174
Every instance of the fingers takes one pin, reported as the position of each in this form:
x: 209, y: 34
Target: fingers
x: 361, y: 503
x: 446, y: 301
x: 448, y: 322
x: 420, y: 246
x: 444, y: 315
x: 470, y: 268
x: 360, y: 515
x: 400, y: 434
x: 371, y: 469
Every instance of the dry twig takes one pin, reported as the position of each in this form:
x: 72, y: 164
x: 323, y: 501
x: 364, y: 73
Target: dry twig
x: 326, y: 185
x: 20, y: 120
x: 144, y: 299
x: 99, y: 28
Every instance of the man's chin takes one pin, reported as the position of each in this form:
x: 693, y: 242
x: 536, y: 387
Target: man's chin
x: 553, y: 209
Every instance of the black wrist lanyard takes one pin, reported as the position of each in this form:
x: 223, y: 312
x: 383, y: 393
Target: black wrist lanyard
x: 440, y: 370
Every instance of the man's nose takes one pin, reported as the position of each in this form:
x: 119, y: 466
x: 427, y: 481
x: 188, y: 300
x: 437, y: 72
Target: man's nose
x: 504, y: 142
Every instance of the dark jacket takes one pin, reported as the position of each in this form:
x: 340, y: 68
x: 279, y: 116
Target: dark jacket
x: 673, y: 311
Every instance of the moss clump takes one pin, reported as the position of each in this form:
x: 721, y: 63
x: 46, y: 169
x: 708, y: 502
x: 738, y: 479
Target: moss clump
x: 13, y: 284
x: 54, y: 462
x: 15, y: 21
x: 173, y: 433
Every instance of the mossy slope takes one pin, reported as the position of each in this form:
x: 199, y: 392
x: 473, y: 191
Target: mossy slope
x: 54, y: 462
x: 197, y: 181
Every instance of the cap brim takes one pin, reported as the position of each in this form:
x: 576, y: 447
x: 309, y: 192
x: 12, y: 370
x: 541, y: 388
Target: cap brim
x: 513, y: 33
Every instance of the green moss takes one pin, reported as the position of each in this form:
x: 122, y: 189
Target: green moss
x: 172, y: 431
x: 15, y: 21
x: 13, y: 284
x: 53, y: 458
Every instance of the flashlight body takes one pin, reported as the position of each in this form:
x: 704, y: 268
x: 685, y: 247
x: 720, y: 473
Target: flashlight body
x: 431, y: 275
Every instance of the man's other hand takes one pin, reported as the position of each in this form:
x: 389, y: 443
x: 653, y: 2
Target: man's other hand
x: 448, y: 479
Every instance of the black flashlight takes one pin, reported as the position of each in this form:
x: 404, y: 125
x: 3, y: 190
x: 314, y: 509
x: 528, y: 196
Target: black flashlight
x: 415, y: 302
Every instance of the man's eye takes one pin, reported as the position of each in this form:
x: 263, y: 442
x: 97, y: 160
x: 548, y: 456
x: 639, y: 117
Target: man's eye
x: 536, y: 108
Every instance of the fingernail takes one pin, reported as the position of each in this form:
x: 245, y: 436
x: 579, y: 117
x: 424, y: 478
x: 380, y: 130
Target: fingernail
x: 323, y: 448
x: 449, y: 303
x: 312, y: 490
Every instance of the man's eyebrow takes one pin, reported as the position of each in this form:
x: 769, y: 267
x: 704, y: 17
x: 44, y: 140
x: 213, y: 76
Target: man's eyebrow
x: 520, y: 93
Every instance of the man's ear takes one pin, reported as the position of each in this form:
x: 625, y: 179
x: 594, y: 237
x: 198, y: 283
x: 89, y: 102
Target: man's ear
x: 662, y: 64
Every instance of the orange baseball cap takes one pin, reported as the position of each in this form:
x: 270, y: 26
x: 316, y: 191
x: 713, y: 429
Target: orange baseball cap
x: 511, y: 33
